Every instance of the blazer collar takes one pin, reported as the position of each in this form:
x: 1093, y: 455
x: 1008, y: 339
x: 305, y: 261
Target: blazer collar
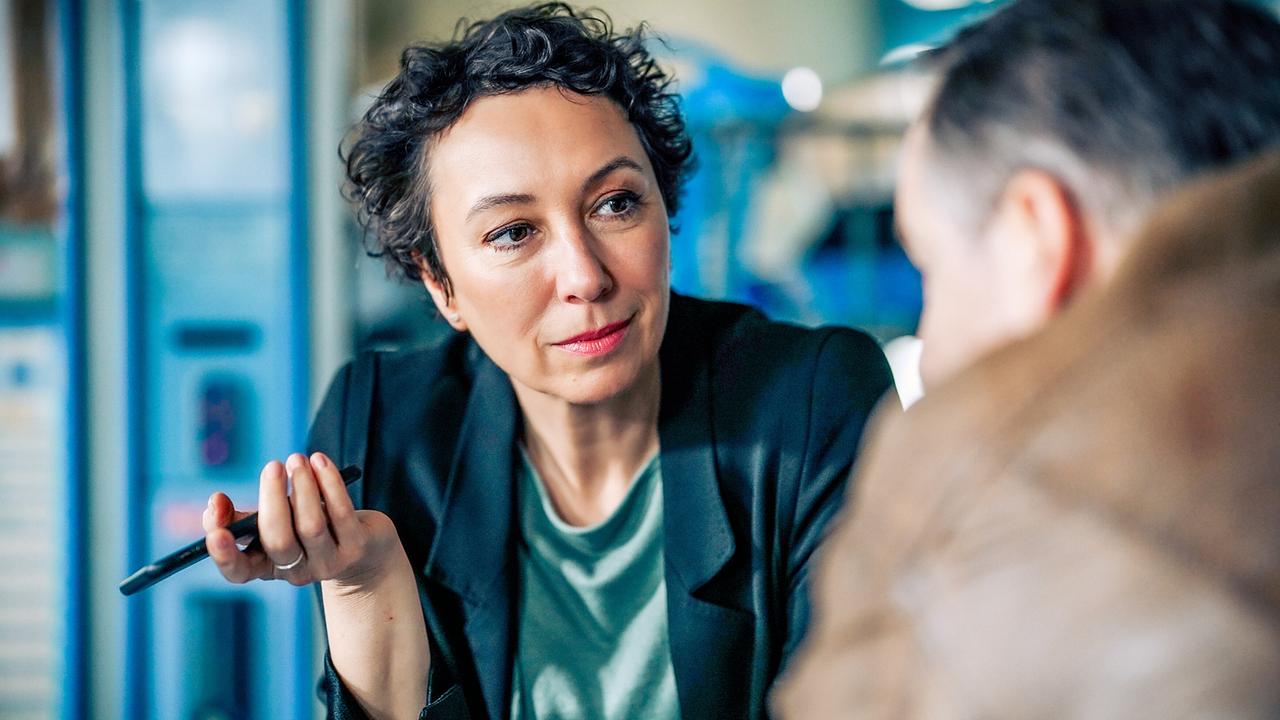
x: 474, y: 552
x: 698, y: 538
x: 711, y: 651
x: 473, y: 543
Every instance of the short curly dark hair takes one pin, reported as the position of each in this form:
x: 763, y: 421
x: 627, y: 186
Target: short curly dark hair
x: 546, y: 44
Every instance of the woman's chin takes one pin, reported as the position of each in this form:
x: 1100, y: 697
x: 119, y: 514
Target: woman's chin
x: 599, y: 385
x: 594, y: 392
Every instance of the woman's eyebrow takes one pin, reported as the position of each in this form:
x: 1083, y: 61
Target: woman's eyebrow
x: 622, y: 161
x: 488, y: 202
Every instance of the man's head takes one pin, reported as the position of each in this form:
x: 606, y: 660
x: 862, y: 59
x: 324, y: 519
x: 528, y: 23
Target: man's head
x: 1055, y: 127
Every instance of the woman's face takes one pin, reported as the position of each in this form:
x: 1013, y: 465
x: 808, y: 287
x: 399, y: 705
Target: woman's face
x: 554, y: 234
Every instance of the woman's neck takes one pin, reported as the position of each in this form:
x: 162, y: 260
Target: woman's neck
x: 587, y: 455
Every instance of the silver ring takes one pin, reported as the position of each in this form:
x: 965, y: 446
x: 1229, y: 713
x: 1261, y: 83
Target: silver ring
x: 293, y: 564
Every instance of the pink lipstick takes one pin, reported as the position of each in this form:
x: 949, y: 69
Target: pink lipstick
x: 597, y: 342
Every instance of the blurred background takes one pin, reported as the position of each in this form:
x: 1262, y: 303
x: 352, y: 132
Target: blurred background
x: 179, y: 278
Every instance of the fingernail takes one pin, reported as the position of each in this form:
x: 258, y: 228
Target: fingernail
x: 275, y: 469
x: 295, y: 461
x: 318, y: 460
x: 210, y: 505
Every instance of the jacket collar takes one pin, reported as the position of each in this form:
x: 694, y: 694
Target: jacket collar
x: 473, y: 545
x: 472, y: 542
x: 699, y: 541
x: 473, y: 552
x: 711, y: 650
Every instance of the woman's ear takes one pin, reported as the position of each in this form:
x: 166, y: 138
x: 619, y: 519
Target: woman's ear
x: 446, y: 302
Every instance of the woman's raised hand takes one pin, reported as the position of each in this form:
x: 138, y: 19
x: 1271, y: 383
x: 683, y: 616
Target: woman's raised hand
x: 310, y: 534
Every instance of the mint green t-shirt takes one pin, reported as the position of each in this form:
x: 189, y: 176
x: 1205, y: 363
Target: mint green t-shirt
x: 593, y: 609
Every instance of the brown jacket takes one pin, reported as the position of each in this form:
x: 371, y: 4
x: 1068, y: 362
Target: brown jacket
x: 1085, y: 524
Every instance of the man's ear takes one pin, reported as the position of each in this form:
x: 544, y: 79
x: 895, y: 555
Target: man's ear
x: 1056, y: 253
x: 446, y: 303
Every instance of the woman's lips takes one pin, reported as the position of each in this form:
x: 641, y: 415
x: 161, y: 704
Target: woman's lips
x: 597, y: 342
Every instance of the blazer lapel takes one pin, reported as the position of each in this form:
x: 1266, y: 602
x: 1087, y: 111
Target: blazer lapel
x: 473, y: 551
x: 710, y: 643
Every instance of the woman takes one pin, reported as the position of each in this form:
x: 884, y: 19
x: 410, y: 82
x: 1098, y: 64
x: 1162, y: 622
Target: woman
x: 597, y: 499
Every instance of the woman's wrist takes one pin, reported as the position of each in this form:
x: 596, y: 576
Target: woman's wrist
x: 382, y: 571
x: 378, y: 638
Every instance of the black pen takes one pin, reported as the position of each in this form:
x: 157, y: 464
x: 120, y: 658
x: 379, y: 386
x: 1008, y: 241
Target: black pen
x: 247, y: 526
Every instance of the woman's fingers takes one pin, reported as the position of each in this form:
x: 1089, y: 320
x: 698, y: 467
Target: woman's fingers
x: 218, y: 508
x: 343, y: 521
x: 220, y: 512
x: 275, y: 516
x: 207, y: 519
x: 310, y: 522
x: 236, y: 566
x: 307, y: 525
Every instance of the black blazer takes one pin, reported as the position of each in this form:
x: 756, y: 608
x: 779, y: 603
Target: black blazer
x: 759, y: 424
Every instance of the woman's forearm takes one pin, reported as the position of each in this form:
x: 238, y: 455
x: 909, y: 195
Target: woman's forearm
x: 378, y: 640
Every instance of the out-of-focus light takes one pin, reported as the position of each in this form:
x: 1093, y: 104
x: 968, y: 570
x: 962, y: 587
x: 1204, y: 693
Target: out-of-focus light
x: 942, y: 4
x: 207, y: 84
x: 904, y: 54
x: 903, y: 355
x: 8, y: 90
x: 802, y: 89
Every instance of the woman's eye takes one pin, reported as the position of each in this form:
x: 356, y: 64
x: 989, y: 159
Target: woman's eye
x: 509, y: 238
x: 619, y: 205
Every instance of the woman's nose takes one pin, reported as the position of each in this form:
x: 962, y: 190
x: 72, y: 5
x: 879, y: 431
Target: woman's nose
x: 581, y: 275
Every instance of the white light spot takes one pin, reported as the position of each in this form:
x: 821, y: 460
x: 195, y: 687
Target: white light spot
x: 903, y: 355
x: 942, y: 4
x: 802, y: 89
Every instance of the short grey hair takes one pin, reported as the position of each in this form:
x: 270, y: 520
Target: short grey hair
x: 1121, y: 101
